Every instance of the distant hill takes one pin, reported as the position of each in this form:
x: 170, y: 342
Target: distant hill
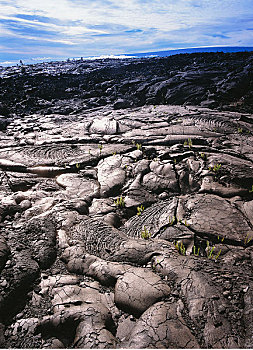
x: 224, y: 49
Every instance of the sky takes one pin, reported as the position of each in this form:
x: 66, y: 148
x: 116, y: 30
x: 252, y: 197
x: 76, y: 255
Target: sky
x: 61, y: 29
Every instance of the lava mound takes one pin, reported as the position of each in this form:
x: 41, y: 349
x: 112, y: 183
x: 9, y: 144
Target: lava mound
x: 126, y: 225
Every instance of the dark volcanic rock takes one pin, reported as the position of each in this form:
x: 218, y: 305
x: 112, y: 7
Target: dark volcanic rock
x: 207, y: 79
x: 3, y: 123
x: 4, y: 252
x: 121, y: 103
x: 125, y: 225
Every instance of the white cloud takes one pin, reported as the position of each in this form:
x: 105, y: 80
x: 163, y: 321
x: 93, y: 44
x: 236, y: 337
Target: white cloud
x: 11, y: 34
x: 83, y: 24
x: 160, y: 14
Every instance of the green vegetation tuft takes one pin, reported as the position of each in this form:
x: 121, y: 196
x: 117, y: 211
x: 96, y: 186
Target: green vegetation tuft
x: 215, y: 168
x: 180, y: 247
x: 188, y: 143
x: 145, y: 234
x: 140, y: 210
x: 120, y: 202
x: 247, y: 239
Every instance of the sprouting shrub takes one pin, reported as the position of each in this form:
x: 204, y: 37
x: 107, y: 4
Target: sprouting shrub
x: 180, y: 247
x: 210, y: 252
x: 78, y: 165
x: 138, y: 146
x: 120, y: 202
x: 172, y: 220
x: 145, y: 234
x: 247, y: 239
x: 100, y: 148
x: 220, y: 238
x: 184, y: 222
x: 250, y: 191
x: 203, y: 155
x: 217, y: 256
x: 196, y: 251
x: 188, y: 143
x: 140, y: 210
x: 215, y: 168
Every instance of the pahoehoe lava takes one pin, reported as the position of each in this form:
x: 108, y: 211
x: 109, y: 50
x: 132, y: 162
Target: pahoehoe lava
x: 126, y: 203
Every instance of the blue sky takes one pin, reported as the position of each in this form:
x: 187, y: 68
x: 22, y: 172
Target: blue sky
x: 73, y: 28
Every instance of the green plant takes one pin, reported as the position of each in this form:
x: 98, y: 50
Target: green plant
x: 215, y: 168
x: 185, y: 223
x: 240, y: 130
x: 203, y: 156
x: 188, y: 143
x: 247, y: 239
x: 156, y: 263
x: 175, y: 161
x: 172, y: 220
x: 114, y: 153
x: 210, y: 250
x: 100, y: 149
x: 250, y: 191
x: 120, y: 202
x: 78, y: 165
x: 194, y: 251
x: 180, y: 247
x: 145, y: 234
x: 138, y: 146
x: 140, y: 210
x: 182, y: 222
x: 216, y: 258
x: 221, y: 238
x: 210, y: 253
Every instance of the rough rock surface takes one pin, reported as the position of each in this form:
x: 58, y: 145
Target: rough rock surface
x: 127, y: 228
x: 214, y: 80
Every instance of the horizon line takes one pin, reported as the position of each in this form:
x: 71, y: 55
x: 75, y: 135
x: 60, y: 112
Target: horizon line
x: 112, y: 56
